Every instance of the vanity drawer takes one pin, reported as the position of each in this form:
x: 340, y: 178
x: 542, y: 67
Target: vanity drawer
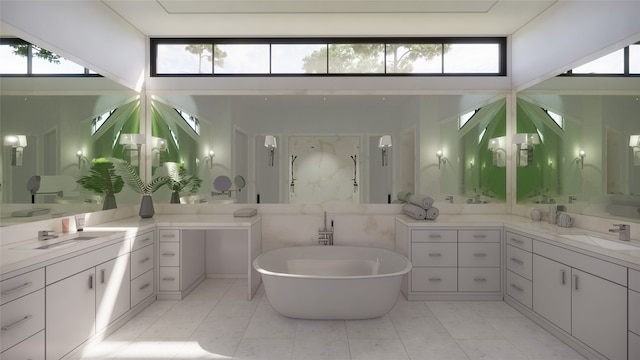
x: 21, y: 318
x: 15, y: 287
x: 434, y: 254
x: 142, y: 240
x: 434, y: 236
x: 141, y: 261
x: 169, y: 254
x: 141, y: 288
x: 634, y: 280
x: 479, y: 254
x: 31, y: 349
x: 520, y: 262
x: 434, y: 279
x: 479, y: 236
x: 169, y: 235
x: 479, y: 279
x: 169, y: 279
x: 634, y: 311
x: 519, y: 288
x: 520, y: 241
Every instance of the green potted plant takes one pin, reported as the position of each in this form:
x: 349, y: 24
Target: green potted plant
x: 131, y: 178
x: 103, y: 180
x: 179, y: 180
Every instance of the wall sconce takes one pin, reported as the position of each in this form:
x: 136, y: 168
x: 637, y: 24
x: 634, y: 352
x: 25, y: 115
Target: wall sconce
x: 271, y: 144
x: 441, y: 160
x: 81, y: 157
x: 209, y: 158
x: 17, y: 143
x: 497, y: 146
x: 580, y: 158
x: 525, y: 144
x: 634, y: 143
x: 159, y: 146
x: 385, y: 144
x: 132, y: 144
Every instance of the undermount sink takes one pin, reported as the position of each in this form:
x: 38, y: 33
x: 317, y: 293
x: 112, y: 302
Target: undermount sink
x: 603, y: 243
x: 63, y: 240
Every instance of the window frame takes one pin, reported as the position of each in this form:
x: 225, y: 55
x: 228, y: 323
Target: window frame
x: 626, y: 66
x: 500, y: 41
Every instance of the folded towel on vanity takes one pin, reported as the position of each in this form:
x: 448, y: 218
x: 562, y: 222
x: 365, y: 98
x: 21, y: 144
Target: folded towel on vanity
x: 424, y: 201
x: 414, y: 211
x: 432, y: 213
x: 404, y: 195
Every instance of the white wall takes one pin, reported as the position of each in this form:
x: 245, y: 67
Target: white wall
x: 571, y: 33
x: 86, y: 32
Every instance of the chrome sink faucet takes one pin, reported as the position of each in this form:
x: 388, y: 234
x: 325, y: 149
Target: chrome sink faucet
x: 325, y: 235
x: 623, y: 230
x: 46, y: 235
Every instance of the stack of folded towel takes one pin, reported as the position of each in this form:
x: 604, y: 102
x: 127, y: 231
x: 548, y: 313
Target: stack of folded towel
x: 419, y: 206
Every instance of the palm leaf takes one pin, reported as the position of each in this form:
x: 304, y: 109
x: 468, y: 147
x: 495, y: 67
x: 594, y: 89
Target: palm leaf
x: 130, y: 177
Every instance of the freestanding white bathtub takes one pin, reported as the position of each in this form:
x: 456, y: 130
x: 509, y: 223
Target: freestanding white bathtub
x: 332, y: 282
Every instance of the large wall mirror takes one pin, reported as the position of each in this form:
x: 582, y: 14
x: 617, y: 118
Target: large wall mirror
x: 587, y: 157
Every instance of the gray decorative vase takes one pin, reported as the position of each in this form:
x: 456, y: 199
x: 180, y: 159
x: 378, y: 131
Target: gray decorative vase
x: 146, y: 207
x: 175, y: 197
x: 109, y: 202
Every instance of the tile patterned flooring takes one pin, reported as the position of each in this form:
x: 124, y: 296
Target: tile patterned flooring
x: 216, y: 321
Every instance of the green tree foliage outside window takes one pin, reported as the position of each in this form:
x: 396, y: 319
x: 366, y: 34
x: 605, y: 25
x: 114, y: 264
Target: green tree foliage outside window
x: 208, y: 53
x: 23, y: 50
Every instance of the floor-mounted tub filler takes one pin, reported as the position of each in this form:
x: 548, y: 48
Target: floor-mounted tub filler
x: 332, y: 282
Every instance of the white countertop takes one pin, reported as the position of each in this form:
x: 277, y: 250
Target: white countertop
x: 22, y: 255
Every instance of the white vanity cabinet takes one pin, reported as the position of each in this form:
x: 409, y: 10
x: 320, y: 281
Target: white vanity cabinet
x: 582, y: 295
x: 519, y: 267
x: 84, y: 294
x: 22, y: 316
x: 143, y: 260
x: 181, y: 262
x: 451, y: 262
x: 634, y: 314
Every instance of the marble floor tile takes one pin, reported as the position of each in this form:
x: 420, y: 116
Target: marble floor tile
x: 377, y: 349
x: 216, y: 321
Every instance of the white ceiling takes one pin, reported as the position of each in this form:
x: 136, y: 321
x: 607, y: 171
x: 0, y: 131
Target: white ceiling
x: 291, y: 18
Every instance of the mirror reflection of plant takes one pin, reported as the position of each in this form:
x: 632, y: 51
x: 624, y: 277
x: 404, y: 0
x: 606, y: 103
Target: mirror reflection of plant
x: 102, y: 178
x: 130, y: 176
x: 179, y: 180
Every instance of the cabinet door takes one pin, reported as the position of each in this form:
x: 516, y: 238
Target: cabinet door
x: 599, y: 313
x: 70, y: 314
x: 552, y: 291
x: 112, y: 290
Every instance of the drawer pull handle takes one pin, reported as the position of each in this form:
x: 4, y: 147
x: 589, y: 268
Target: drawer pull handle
x: 145, y: 239
x: 21, y: 321
x: 480, y: 254
x: 90, y: 281
x: 168, y: 279
x: 168, y: 235
x: 517, y: 261
x: 434, y: 236
x: 435, y: 254
x: 144, y: 286
x: 575, y: 282
x: 479, y: 236
x: 168, y: 254
x: 435, y: 279
x: 563, y: 273
x: 17, y: 288
x: 479, y: 279
x: 517, y: 287
x: 102, y: 276
x: 517, y: 241
x: 144, y: 260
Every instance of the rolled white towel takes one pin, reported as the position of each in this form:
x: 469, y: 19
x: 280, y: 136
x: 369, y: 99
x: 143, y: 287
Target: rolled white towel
x: 414, y: 211
x: 424, y: 201
x: 432, y: 213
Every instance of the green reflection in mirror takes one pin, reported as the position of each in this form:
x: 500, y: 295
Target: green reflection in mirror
x: 181, y: 140
x: 124, y: 120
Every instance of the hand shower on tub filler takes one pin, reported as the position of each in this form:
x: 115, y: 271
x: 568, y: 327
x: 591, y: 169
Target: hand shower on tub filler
x: 325, y: 235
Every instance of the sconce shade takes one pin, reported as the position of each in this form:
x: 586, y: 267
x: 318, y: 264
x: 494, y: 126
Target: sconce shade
x: 634, y: 140
x: 15, y: 140
x: 132, y: 139
x: 159, y: 143
x: 385, y: 141
x: 497, y: 143
x: 526, y: 139
x: 270, y: 141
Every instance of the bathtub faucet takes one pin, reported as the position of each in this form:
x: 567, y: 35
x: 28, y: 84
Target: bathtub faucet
x: 325, y: 235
